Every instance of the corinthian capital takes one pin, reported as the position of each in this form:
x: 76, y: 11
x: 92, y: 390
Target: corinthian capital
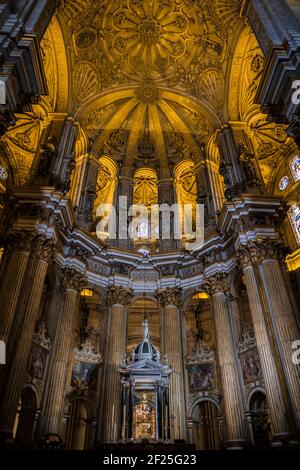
x: 19, y: 241
x: 44, y: 248
x: 255, y: 252
x: 71, y: 279
x: 119, y: 295
x: 217, y: 284
x: 169, y: 296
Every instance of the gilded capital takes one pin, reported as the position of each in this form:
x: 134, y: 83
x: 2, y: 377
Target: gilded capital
x: 217, y: 284
x: 71, y: 279
x: 119, y: 295
x: 169, y: 296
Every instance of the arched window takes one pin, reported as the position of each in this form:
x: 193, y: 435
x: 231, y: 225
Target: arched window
x: 145, y: 193
x: 295, y: 167
x: 294, y: 216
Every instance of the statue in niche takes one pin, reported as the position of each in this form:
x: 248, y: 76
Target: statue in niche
x: 68, y: 179
x: 48, y: 153
x: 246, y: 162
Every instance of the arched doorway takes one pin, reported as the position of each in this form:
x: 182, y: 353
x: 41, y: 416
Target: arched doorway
x: 260, y: 422
x: 204, y: 426
x: 80, y: 426
x: 27, y: 417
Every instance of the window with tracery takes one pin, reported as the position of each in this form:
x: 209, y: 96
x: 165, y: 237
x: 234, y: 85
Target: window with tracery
x: 295, y: 167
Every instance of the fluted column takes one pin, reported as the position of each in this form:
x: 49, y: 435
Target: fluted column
x: 17, y: 250
x: 271, y: 375
x: 218, y: 288
x: 282, y: 316
x: 41, y: 254
x: 118, y: 300
x: 170, y: 300
x: 52, y: 415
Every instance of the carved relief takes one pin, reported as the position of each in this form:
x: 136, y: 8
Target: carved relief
x: 86, y: 359
x: 41, y: 344
x: 145, y: 190
x: 86, y: 80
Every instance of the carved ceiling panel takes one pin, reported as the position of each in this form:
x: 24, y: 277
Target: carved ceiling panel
x: 174, y: 42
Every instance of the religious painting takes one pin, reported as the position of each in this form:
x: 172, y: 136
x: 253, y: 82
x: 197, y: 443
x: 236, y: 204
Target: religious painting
x: 144, y: 419
x: 201, y: 377
x: 84, y: 375
x: 250, y: 365
x: 38, y: 362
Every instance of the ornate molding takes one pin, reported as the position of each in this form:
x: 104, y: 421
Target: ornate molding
x: 247, y: 340
x: 169, y: 296
x: 201, y: 354
x: 71, y: 279
x: 87, y: 353
x: 41, y: 337
x: 119, y: 295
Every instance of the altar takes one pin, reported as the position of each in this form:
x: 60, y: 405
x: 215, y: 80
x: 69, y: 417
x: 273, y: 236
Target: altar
x: 145, y: 394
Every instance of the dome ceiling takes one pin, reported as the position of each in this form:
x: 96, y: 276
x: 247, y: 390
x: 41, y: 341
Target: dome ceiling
x: 149, y: 68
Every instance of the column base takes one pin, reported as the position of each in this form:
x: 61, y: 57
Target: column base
x: 6, y: 439
x: 237, y: 445
x: 51, y: 441
x: 280, y: 440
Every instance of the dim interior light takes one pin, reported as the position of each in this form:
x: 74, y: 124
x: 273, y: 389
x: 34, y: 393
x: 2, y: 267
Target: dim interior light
x: 86, y: 293
x: 200, y: 296
x: 293, y: 261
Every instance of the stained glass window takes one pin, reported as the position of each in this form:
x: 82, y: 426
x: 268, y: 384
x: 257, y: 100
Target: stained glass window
x: 3, y: 173
x: 295, y: 167
x: 283, y: 183
x: 294, y: 215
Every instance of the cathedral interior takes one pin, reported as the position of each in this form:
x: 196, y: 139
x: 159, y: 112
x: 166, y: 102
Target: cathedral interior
x: 134, y: 340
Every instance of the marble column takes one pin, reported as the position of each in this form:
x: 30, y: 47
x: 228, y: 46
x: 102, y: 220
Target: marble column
x: 283, y: 319
x: 42, y: 252
x: 249, y: 257
x: 118, y: 300
x: 217, y: 286
x: 170, y: 300
x: 17, y: 253
x: 59, y: 368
